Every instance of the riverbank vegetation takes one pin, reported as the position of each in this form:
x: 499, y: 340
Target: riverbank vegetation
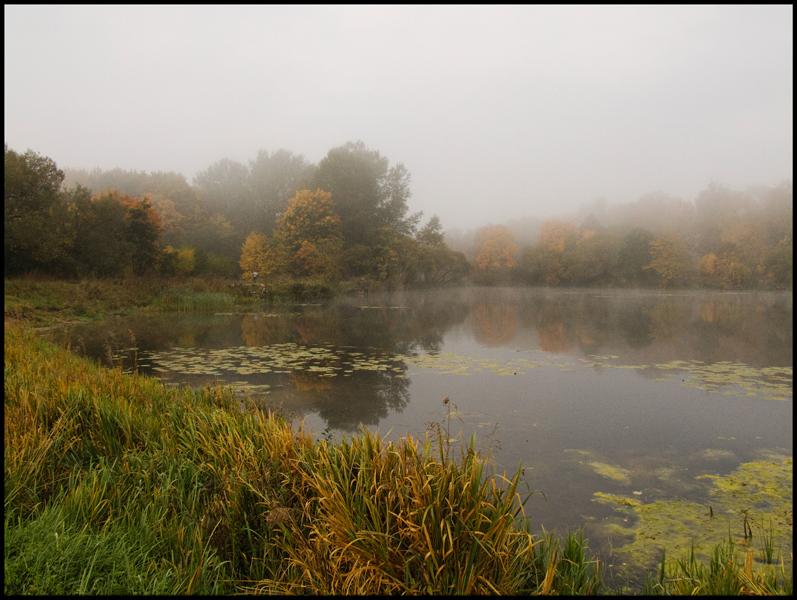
x: 116, y: 484
x: 346, y: 221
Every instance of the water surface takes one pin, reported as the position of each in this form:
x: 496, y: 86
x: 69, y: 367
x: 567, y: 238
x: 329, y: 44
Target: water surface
x: 598, y: 394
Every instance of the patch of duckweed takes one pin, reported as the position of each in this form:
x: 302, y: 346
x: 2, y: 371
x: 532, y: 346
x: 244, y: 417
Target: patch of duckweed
x: 724, y: 377
x: 615, y: 499
x: 739, y: 504
x: 611, y: 471
x: 604, y: 469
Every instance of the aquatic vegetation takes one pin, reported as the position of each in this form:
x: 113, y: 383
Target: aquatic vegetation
x: 735, y: 379
x: 611, y: 471
x: 754, y: 491
x: 725, y: 575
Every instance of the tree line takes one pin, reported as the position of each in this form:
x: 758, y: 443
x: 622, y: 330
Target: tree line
x: 726, y: 239
x: 280, y: 216
x: 347, y: 218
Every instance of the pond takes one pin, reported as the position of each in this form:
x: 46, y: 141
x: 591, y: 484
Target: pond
x: 654, y: 419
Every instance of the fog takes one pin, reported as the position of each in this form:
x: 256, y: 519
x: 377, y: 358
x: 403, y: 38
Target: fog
x: 498, y: 113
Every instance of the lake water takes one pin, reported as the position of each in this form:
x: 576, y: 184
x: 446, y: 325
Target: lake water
x: 615, y: 402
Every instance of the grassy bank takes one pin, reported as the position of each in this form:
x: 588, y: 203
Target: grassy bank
x: 116, y: 484
x: 44, y: 302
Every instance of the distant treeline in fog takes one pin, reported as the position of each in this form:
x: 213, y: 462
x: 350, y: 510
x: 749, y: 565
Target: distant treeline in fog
x: 347, y: 217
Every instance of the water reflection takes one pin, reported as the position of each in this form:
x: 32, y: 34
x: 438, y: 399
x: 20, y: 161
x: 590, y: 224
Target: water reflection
x: 611, y: 392
x: 637, y: 328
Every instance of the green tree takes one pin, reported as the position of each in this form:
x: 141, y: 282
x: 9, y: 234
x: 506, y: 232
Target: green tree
x: 273, y: 180
x: 104, y: 246
x: 632, y: 257
x: 142, y: 231
x: 368, y: 193
x: 780, y: 261
x: 35, y: 218
x: 595, y: 260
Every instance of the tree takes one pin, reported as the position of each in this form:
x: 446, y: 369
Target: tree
x: 142, y: 231
x: 431, y: 234
x: 307, y: 240
x: 273, y: 180
x: 104, y: 248
x: 670, y: 258
x: 368, y: 193
x: 595, y: 260
x: 435, y: 261
x: 497, y: 252
x: 633, y: 256
x: 224, y: 187
x: 35, y: 218
x: 780, y: 261
x: 310, y: 233
x: 558, y: 235
x: 260, y: 255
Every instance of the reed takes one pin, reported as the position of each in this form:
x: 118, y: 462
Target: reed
x: 726, y: 575
x: 767, y: 538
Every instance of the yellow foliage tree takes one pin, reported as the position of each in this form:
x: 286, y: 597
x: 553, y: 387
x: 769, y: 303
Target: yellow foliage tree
x: 259, y: 255
x: 558, y: 235
x: 307, y: 241
x: 186, y: 261
x: 310, y: 233
x: 670, y: 258
x: 497, y: 251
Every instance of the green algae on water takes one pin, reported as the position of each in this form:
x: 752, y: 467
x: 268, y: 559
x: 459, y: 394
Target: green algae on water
x: 753, y: 493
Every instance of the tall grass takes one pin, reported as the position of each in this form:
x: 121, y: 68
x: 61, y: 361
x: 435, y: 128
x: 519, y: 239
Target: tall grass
x: 726, y: 575
x: 117, y: 484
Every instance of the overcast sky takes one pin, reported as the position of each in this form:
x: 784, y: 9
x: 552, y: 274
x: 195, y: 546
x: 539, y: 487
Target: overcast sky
x: 497, y: 112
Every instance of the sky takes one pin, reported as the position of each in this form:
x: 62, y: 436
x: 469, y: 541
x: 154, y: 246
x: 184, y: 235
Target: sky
x: 497, y: 112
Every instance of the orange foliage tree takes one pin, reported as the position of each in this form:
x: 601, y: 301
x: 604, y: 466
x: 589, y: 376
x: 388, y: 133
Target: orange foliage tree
x: 497, y: 251
x: 307, y: 241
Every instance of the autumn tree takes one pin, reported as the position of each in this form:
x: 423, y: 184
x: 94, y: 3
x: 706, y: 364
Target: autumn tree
x: 670, y: 258
x: 307, y: 241
x: 261, y: 255
x: 551, y: 261
x: 497, y: 253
